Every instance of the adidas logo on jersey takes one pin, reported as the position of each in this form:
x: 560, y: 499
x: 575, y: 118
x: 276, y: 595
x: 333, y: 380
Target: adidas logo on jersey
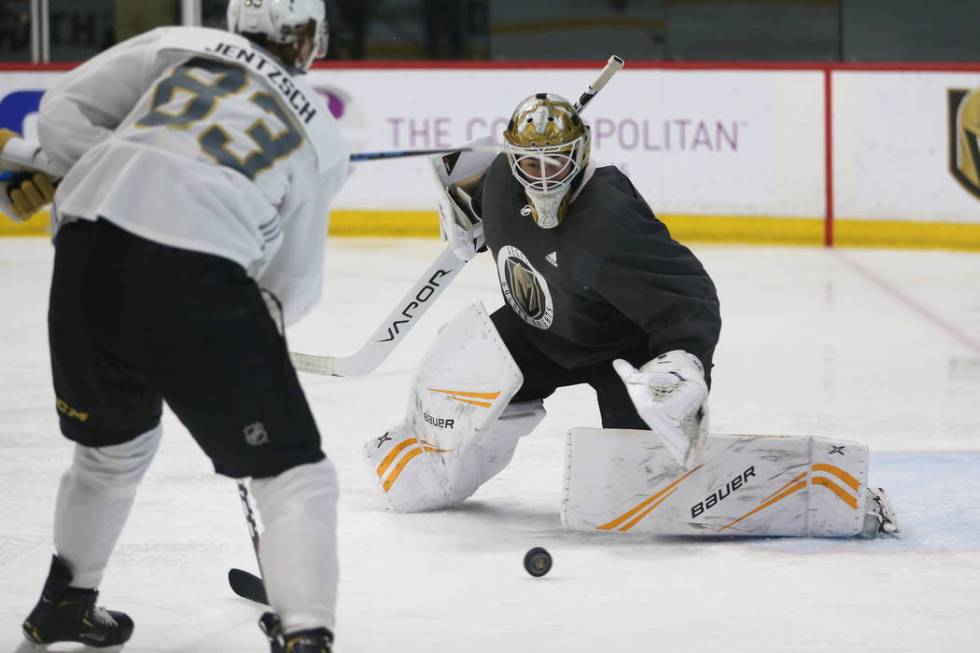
x: 552, y: 258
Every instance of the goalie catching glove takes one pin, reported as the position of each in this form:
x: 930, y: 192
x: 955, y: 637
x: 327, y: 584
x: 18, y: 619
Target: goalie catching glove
x: 670, y: 395
x: 459, y: 224
x: 27, y: 192
x: 458, y: 174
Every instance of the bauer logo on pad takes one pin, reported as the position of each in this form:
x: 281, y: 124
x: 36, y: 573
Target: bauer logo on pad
x: 964, y: 132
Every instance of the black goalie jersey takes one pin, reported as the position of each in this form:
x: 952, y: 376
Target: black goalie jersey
x: 606, y: 280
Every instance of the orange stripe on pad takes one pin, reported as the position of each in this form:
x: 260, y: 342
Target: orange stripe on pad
x: 790, y: 482
x: 400, y: 466
x: 646, y: 512
x: 779, y: 497
x: 852, y: 482
x: 481, y: 404
x: 474, y: 395
x: 390, y: 458
x: 432, y: 449
x: 836, y: 489
x: 645, y: 503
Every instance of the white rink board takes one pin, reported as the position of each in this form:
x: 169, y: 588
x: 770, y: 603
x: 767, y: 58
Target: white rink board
x: 694, y: 142
x: 891, y: 147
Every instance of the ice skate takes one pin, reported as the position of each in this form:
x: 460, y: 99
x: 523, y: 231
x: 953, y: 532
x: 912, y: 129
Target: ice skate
x: 317, y: 640
x: 69, y: 614
x: 879, y: 516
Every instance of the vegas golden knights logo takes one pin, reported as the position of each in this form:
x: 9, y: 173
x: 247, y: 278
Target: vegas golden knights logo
x: 964, y: 132
x: 524, y: 288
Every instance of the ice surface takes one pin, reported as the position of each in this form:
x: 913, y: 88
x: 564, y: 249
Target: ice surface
x: 874, y: 345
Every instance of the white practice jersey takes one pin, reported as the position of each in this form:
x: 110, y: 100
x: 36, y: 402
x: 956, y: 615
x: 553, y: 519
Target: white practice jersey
x: 198, y: 139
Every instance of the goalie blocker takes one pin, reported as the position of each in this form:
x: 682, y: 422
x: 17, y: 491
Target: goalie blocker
x: 627, y: 481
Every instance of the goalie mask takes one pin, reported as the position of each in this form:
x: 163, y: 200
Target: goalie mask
x: 548, y: 147
x: 296, y: 30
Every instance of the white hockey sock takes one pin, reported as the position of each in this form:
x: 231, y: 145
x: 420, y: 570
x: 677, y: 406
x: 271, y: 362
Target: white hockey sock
x: 299, y: 544
x: 94, y: 499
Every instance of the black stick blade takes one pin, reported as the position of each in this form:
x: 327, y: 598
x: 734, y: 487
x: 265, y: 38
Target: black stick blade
x: 247, y: 585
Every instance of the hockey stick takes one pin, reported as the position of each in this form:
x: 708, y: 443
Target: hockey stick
x: 243, y: 583
x: 398, y: 154
x: 613, y: 66
x: 420, y: 296
x: 26, y: 154
x: 247, y: 585
x: 395, y: 326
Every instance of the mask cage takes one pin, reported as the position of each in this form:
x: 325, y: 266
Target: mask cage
x: 553, y: 167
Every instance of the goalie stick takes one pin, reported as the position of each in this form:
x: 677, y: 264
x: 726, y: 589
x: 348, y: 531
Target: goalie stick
x: 395, y: 326
x: 613, y: 65
x: 411, y: 308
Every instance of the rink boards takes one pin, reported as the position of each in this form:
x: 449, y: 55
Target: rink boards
x: 805, y: 154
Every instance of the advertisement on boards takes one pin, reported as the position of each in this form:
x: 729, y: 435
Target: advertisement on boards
x: 905, y: 146
x: 694, y: 142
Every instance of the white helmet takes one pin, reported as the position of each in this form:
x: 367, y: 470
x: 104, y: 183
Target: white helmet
x: 282, y: 22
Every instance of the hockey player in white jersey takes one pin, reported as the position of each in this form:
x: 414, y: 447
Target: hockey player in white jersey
x: 198, y: 167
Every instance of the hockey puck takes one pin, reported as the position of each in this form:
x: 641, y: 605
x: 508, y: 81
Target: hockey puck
x: 537, y: 562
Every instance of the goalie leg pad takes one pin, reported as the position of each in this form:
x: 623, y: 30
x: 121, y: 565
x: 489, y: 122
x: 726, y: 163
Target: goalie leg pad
x: 461, y: 428
x: 627, y: 481
x: 415, y: 476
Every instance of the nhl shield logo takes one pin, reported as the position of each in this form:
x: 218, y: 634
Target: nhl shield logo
x: 524, y: 288
x: 964, y: 131
x: 255, y: 434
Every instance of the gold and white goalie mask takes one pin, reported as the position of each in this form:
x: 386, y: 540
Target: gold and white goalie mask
x: 548, y: 147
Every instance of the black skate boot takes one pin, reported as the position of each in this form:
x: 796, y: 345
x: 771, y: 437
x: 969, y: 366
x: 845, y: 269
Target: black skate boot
x: 69, y: 614
x: 318, y: 640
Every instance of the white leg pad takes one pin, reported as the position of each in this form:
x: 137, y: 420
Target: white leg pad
x: 94, y: 499
x: 627, y: 481
x: 461, y: 428
x: 299, y: 544
x: 416, y: 477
